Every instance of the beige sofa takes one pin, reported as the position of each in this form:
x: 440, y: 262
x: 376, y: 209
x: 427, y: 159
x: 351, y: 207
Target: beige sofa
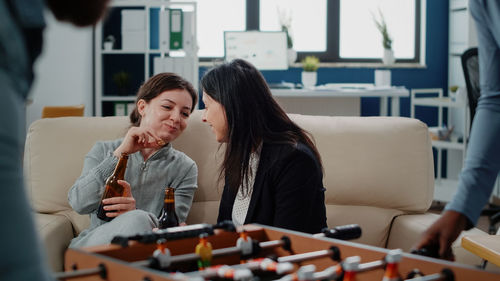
x: 378, y: 173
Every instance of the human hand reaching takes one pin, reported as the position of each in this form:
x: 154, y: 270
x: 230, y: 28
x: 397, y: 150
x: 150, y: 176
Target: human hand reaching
x: 442, y: 233
x: 116, y: 206
x: 138, y: 138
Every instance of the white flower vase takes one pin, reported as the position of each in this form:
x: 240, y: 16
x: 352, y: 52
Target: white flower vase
x: 309, y: 78
x: 292, y: 56
x: 108, y: 46
x: 388, y: 58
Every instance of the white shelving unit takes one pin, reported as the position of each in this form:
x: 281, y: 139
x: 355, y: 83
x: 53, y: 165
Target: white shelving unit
x: 137, y: 63
x: 462, y: 36
x: 445, y: 187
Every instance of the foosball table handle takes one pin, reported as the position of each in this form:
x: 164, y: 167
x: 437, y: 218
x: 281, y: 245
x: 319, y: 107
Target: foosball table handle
x: 99, y: 270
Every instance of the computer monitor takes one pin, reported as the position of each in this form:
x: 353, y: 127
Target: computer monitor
x: 266, y: 50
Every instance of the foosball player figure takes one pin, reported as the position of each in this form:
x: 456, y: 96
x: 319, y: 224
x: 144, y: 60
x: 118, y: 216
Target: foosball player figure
x: 204, y: 250
x: 241, y: 274
x: 392, y: 260
x: 162, y: 254
x: 351, y: 266
x: 279, y: 268
x: 414, y: 274
x: 244, y: 243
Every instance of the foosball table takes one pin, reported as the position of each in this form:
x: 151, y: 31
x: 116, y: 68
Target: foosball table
x: 253, y: 252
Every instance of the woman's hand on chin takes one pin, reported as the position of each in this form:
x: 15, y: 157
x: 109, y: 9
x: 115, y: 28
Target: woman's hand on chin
x: 138, y: 138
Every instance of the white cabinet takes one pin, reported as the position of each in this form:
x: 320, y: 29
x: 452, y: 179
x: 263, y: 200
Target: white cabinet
x: 136, y: 40
x: 455, y: 147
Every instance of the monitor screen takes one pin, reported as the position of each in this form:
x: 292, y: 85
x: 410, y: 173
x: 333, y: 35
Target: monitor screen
x: 266, y: 50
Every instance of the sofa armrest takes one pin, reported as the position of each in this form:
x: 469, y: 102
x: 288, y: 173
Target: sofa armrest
x: 55, y: 232
x: 407, y: 229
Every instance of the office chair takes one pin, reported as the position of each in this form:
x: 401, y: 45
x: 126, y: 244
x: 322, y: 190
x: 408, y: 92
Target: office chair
x: 470, y: 66
x: 62, y: 111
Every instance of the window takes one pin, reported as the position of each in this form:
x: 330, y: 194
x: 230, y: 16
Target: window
x: 307, y: 22
x: 213, y: 17
x: 333, y: 30
x: 357, y: 28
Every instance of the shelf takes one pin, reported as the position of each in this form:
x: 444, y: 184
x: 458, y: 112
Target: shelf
x: 134, y: 52
x: 118, y: 98
x: 139, y: 62
x: 448, y: 145
x: 445, y: 102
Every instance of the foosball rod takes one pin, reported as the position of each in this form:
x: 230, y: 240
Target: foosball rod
x: 445, y: 275
x: 252, y: 265
x: 218, y: 252
x: 333, y: 253
x: 100, y: 270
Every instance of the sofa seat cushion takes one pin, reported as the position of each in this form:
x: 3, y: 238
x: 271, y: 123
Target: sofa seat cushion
x: 407, y: 229
x: 55, y: 232
x: 374, y: 222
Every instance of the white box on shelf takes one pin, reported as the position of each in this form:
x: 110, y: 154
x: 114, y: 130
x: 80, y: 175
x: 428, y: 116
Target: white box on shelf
x: 182, y: 66
x: 382, y: 78
x: 133, y: 20
x: 134, y: 40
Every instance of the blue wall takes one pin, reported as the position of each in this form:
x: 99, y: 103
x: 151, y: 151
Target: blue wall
x: 435, y: 75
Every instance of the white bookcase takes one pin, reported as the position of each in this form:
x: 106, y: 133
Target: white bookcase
x: 150, y: 36
x: 457, y: 145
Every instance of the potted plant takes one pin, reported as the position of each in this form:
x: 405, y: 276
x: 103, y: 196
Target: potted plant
x: 109, y: 42
x: 381, y: 25
x: 122, y: 81
x: 310, y: 65
x: 286, y: 24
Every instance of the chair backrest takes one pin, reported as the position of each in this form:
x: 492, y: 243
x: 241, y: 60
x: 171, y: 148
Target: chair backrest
x: 470, y: 65
x: 62, y: 111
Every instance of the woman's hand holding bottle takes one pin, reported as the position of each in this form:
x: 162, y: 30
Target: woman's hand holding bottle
x: 116, y: 206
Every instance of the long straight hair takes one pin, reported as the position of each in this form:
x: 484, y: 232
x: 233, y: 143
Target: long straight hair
x: 253, y: 117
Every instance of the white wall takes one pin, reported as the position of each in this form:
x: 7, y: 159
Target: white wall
x: 63, y: 73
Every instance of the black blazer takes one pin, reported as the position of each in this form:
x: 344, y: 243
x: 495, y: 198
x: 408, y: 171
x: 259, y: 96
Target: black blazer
x: 288, y: 191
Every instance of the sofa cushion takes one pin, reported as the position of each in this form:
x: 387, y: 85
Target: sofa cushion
x: 198, y: 142
x: 56, y: 231
x: 366, y: 159
x: 54, y: 153
x: 407, y: 229
x: 203, y: 212
x: 375, y: 222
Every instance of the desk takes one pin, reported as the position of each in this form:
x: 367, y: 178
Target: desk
x: 342, y: 96
x: 484, y: 246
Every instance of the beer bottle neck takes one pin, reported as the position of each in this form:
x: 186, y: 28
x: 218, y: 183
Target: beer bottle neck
x: 169, y: 201
x: 121, y: 166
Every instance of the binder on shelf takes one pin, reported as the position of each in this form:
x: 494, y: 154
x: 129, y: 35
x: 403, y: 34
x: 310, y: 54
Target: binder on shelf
x: 164, y: 29
x: 175, y: 27
x: 120, y: 109
x: 188, y: 28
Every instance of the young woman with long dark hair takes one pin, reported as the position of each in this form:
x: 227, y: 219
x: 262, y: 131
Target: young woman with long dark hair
x: 272, y: 169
